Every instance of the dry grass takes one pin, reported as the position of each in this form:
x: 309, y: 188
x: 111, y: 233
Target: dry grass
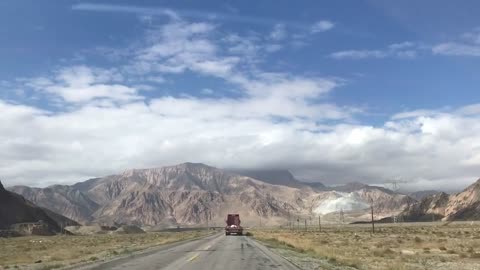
x: 400, y: 246
x: 58, y: 251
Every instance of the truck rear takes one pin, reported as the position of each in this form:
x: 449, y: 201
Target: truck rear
x: 233, y: 225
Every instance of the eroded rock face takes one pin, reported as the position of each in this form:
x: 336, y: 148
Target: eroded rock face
x: 67, y: 200
x: 464, y: 205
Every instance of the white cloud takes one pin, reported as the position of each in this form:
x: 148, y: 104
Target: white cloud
x: 244, y: 46
x: 406, y: 50
x: 402, y: 45
x: 279, y: 32
x: 273, y: 47
x: 80, y: 84
x: 75, y: 145
x: 414, y: 114
x: 207, y: 91
x: 322, y: 26
x: 470, y: 109
x: 472, y: 36
x: 458, y: 49
x: 467, y: 45
x: 359, y: 54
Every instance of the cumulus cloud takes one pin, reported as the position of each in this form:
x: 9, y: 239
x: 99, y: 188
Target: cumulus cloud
x: 94, y: 140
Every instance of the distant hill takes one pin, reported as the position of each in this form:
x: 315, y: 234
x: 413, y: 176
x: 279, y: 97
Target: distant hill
x: 464, y: 205
x: 274, y: 177
x: 355, y: 197
x: 16, y: 209
x: 278, y: 177
x: 419, y: 195
x: 68, y: 200
x: 316, y: 185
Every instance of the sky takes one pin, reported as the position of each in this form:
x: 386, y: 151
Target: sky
x: 335, y: 91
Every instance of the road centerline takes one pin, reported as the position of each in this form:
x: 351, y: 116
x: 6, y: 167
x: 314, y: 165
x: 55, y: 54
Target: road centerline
x: 193, y: 258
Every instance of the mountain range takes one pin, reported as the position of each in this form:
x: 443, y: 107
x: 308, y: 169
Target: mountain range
x: 197, y: 194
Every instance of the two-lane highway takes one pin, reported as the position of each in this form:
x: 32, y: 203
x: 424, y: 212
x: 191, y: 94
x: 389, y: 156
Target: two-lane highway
x: 213, y: 252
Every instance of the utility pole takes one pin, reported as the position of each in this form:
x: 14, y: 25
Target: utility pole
x: 208, y: 228
x: 373, y: 221
x: 319, y: 223
x: 298, y: 223
x: 305, y: 224
x: 289, y: 220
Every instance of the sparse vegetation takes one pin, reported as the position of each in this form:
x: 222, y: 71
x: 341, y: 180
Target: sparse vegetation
x: 50, y: 267
x: 58, y: 251
x: 401, y: 246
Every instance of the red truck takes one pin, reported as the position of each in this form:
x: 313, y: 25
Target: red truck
x: 233, y: 225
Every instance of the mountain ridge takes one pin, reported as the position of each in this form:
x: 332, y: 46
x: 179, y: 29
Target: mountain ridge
x: 15, y: 209
x: 192, y: 194
x: 464, y: 205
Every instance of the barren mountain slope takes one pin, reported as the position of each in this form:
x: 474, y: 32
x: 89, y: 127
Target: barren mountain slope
x: 194, y: 194
x: 190, y: 194
x: 15, y: 209
x: 460, y: 206
x: 359, y: 199
x: 68, y: 201
x: 419, y: 195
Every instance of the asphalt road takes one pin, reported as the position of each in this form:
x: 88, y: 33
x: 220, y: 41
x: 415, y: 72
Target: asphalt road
x: 213, y: 252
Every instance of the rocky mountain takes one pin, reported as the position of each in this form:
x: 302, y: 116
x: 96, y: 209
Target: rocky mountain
x: 464, y: 205
x: 15, y: 209
x: 69, y: 201
x: 419, y: 195
x: 194, y: 194
x: 188, y: 194
x: 280, y: 177
x: 274, y: 177
x: 316, y: 185
x: 429, y: 208
x: 358, y: 198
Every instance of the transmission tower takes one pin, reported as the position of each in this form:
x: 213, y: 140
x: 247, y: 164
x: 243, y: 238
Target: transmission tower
x: 342, y: 215
x: 394, y: 185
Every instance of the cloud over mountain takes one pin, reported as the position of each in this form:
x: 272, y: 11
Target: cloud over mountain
x: 85, y: 120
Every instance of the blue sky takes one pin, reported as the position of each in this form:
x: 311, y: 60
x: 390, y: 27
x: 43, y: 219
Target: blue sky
x: 359, y: 80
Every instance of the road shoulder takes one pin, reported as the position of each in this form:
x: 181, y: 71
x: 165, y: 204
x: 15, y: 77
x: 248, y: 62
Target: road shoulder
x: 300, y: 260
